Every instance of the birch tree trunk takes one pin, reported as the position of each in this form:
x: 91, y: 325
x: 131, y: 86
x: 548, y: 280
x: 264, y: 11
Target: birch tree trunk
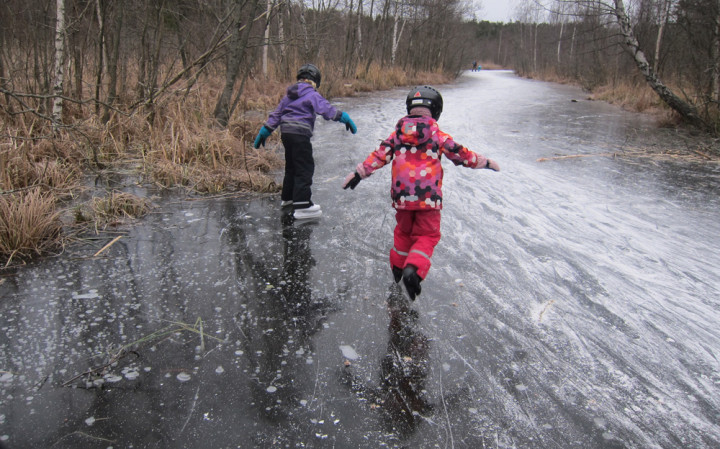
x: 396, y: 35
x: 664, y: 12
x: 266, y: 44
x: 57, y: 108
x: 562, y: 25
x: 281, y: 28
x: 685, y: 109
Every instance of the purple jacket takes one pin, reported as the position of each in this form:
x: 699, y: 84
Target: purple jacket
x: 296, y: 112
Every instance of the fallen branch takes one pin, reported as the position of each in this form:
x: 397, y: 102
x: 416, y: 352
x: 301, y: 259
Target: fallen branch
x: 571, y: 156
x: 112, y: 242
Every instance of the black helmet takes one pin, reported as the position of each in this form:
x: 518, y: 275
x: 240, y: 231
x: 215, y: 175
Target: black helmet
x: 310, y: 72
x: 425, y: 96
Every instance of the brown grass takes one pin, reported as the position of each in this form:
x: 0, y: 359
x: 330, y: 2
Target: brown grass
x: 29, y: 224
x: 117, y: 206
x: 487, y: 65
x: 631, y: 96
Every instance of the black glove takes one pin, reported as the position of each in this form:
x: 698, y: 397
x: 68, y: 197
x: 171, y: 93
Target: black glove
x: 352, y: 180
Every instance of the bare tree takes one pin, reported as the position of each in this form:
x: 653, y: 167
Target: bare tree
x: 685, y: 109
x: 238, y: 48
x: 57, y: 108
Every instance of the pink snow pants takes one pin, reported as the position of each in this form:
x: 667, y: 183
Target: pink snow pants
x: 416, y: 234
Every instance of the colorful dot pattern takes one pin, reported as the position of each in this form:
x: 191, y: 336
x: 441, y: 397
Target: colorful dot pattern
x: 415, y: 149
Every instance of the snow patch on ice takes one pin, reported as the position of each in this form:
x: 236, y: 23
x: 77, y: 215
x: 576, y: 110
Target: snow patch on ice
x: 91, y: 294
x: 349, y: 352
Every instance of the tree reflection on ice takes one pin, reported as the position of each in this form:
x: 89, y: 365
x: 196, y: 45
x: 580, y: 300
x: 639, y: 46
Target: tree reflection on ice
x: 281, y: 314
x: 401, y: 397
x: 404, y: 369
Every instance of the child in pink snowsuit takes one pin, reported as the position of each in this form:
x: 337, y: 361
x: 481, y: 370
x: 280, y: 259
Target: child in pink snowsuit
x: 415, y: 149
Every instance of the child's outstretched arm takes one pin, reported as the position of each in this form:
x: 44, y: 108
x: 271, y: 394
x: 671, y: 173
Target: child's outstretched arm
x: 328, y: 112
x: 460, y: 155
x: 377, y: 159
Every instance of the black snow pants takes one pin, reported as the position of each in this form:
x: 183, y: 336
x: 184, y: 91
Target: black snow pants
x: 299, y: 170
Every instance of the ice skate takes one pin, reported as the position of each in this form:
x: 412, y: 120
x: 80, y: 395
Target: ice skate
x: 410, y: 284
x: 313, y: 211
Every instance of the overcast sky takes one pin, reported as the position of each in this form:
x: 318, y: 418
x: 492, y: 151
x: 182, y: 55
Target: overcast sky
x: 496, y: 10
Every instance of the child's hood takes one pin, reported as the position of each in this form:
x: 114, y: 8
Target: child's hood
x: 416, y: 129
x: 298, y: 90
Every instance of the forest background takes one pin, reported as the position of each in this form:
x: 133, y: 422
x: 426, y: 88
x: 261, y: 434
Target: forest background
x: 173, y: 91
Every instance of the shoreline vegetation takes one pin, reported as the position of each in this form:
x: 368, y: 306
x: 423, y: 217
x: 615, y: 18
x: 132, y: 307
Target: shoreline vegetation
x: 176, y: 144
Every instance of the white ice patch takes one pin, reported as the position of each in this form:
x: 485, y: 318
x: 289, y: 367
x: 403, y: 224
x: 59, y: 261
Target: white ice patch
x: 219, y: 370
x: 112, y: 378
x: 271, y: 389
x: 91, y: 294
x: 130, y: 373
x: 183, y: 377
x: 6, y: 377
x: 90, y: 421
x: 349, y: 352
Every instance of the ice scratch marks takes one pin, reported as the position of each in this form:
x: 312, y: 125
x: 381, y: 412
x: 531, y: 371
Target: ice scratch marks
x: 192, y: 409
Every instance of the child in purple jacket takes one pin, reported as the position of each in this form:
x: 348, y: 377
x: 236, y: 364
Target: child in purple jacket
x: 295, y: 115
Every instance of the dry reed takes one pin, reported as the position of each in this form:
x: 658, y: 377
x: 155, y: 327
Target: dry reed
x: 29, y: 224
x: 117, y: 206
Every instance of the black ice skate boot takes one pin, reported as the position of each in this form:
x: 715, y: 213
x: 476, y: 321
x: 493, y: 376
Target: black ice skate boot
x: 411, y: 282
x: 397, y: 273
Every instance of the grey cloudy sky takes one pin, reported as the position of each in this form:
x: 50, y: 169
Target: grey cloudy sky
x: 496, y: 10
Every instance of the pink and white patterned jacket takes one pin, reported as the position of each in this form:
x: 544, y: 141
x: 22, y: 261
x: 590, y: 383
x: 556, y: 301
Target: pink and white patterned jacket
x: 415, y: 149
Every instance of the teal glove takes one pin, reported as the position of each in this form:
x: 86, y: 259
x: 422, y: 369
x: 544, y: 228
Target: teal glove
x: 262, y: 136
x: 349, y: 124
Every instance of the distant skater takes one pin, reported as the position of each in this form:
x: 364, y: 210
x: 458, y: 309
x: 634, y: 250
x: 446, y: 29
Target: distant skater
x: 415, y: 149
x: 295, y: 115
x: 474, y: 66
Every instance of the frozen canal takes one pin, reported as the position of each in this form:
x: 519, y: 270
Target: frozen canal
x: 573, y: 303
